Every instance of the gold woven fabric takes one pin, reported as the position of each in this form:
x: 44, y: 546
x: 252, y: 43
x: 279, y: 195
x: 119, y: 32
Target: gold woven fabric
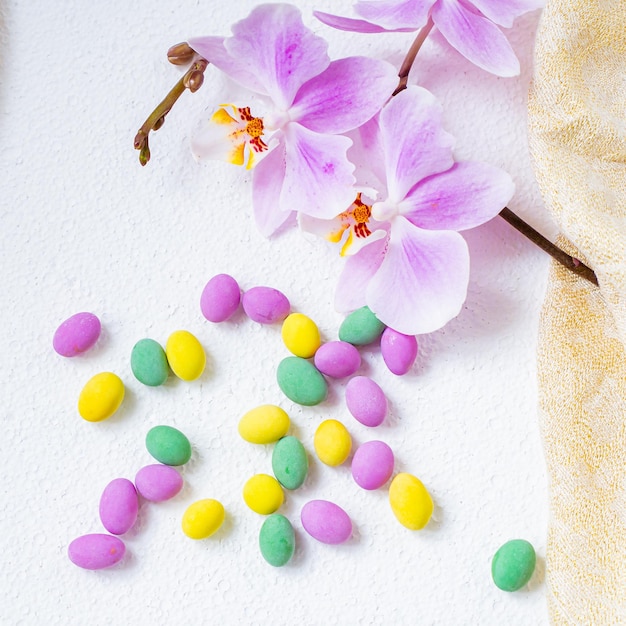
x: 577, y: 130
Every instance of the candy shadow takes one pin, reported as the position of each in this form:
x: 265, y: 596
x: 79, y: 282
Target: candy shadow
x: 227, y: 528
x: 143, y: 518
x: 436, y: 521
x: 539, y: 575
x: 301, y: 552
x: 356, y: 538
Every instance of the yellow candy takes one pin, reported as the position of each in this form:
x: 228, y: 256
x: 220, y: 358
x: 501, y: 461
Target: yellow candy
x: 265, y: 424
x: 263, y: 494
x: 100, y: 397
x: 185, y: 355
x: 332, y: 442
x: 203, y: 518
x: 301, y: 335
x: 410, y: 501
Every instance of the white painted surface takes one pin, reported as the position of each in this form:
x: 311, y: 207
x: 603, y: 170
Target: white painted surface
x: 84, y: 227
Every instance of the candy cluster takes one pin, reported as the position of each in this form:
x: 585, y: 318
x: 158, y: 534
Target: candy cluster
x: 303, y: 377
x: 119, y: 506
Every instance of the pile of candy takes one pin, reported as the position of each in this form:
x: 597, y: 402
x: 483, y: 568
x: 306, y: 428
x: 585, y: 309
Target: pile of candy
x: 303, y: 377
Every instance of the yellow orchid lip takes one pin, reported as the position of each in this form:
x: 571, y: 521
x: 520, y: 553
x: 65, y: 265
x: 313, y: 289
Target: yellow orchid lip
x: 355, y: 220
x: 247, y: 130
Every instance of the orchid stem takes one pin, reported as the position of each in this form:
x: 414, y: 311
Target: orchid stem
x: 409, y: 59
x: 520, y: 225
x: 191, y: 80
x: 570, y: 262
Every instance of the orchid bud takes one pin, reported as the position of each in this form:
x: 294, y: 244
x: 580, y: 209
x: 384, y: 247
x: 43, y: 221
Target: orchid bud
x: 180, y: 54
x: 159, y: 123
x: 140, y: 139
x: 144, y: 154
x: 193, y: 80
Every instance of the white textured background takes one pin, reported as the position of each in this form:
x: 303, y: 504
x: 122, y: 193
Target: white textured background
x: 84, y: 227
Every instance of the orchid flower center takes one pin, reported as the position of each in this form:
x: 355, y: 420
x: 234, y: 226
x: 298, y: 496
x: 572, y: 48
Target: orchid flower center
x: 355, y: 220
x: 244, y: 131
x: 275, y: 120
x: 361, y: 213
x: 385, y: 211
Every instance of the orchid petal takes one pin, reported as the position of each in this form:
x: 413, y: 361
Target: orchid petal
x: 465, y: 196
x: 414, y: 142
x: 356, y: 275
x: 213, y: 140
x: 214, y: 51
x: 395, y: 14
x: 422, y: 282
x: 504, y: 12
x: 335, y: 231
x: 210, y: 48
x: 267, y: 182
x: 475, y: 37
x: 345, y: 95
x: 279, y: 50
x: 319, y: 180
x: 356, y: 26
x: 354, y: 244
x: 366, y: 156
x: 332, y: 230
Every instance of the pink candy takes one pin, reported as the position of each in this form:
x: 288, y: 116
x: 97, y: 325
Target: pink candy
x: 366, y: 401
x: 265, y: 305
x: 96, y: 551
x: 220, y: 298
x: 76, y: 334
x: 372, y: 464
x: 398, y: 351
x: 326, y: 521
x: 119, y: 506
x: 337, y: 359
x: 158, y: 483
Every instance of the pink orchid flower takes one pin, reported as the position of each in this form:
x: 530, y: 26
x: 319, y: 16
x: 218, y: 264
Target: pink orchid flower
x: 313, y: 102
x: 469, y: 26
x: 411, y: 265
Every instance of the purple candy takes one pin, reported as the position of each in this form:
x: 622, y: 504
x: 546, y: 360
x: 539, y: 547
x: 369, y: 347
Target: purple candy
x: 399, y: 351
x: 158, y: 482
x: 76, y: 334
x: 366, y: 401
x: 96, y: 551
x: 220, y: 298
x: 326, y: 522
x: 372, y: 464
x: 265, y: 305
x: 119, y: 506
x: 337, y: 359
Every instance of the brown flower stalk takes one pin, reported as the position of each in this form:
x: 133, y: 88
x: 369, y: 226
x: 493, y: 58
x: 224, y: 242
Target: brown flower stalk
x: 570, y: 262
x: 180, y: 54
x: 519, y: 224
x: 409, y: 59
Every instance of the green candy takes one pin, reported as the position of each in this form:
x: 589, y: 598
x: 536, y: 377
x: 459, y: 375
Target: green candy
x: 361, y: 327
x: 289, y: 462
x: 168, y: 445
x: 277, y: 540
x: 513, y: 565
x: 149, y: 363
x: 301, y: 381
